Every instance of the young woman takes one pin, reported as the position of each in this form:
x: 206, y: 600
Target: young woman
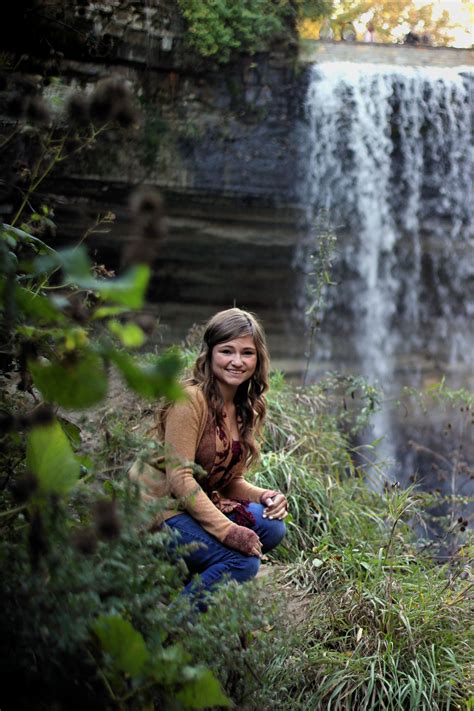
x: 209, y: 443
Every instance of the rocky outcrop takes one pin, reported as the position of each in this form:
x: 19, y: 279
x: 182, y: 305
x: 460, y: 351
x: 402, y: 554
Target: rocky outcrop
x: 220, y: 142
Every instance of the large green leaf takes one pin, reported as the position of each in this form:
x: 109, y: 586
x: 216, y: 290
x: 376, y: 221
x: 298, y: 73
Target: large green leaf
x: 72, y: 432
x: 79, y: 382
x: 73, y: 261
x: 130, y: 334
x: 14, y: 233
x: 107, y: 311
x: 49, y: 456
x: 9, y: 239
x: 121, y: 640
x: 168, y: 664
x: 128, y: 289
x: 8, y: 260
x: 151, y: 380
x: 37, y: 306
x: 202, y: 690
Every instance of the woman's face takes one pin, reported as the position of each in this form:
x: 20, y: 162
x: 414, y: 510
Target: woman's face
x: 234, y: 362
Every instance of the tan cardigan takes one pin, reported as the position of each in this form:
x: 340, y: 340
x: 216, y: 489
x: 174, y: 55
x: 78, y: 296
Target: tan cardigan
x: 185, y: 433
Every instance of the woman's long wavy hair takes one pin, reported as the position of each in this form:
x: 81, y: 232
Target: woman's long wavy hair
x: 250, y: 396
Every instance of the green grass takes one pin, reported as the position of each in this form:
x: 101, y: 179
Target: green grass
x: 387, y: 627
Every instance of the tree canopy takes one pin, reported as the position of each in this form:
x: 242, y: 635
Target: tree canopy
x: 391, y: 19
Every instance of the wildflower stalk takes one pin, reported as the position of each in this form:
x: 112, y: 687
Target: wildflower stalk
x: 38, y: 179
x: 319, y: 258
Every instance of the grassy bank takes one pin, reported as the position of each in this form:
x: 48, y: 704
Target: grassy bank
x: 384, y: 626
x: 387, y: 627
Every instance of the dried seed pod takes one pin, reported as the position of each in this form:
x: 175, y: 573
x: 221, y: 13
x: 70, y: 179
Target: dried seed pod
x: 106, y: 519
x: 37, y: 541
x: 146, y: 205
x: 147, y: 323
x: 77, y: 308
x: 85, y: 540
x: 126, y: 116
x: 146, y: 202
x: 37, y: 111
x: 110, y: 97
x: 77, y: 110
x: 42, y: 415
x: 24, y: 487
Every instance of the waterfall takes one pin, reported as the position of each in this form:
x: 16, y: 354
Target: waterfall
x: 388, y: 155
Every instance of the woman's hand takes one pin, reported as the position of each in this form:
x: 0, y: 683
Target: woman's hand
x: 275, y: 507
x: 243, y: 539
x: 256, y: 549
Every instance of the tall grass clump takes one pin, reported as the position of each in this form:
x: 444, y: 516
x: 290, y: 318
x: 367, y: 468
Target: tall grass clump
x: 386, y: 627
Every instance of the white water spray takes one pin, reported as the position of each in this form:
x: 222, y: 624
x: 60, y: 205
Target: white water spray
x: 389, y: 156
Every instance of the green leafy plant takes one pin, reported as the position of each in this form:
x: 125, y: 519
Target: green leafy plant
x: 222, y: 28
x: 87, y: 591
x: 85, y: 587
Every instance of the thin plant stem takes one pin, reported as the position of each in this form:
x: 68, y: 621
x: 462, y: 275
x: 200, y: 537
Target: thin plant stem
x: 36, y: 181
x: 12, y: 135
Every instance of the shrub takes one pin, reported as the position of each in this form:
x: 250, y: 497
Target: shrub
x: 85, y: 587
x: 219, y: 29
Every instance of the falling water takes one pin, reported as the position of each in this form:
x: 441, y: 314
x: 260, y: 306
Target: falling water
x: 388, y: 157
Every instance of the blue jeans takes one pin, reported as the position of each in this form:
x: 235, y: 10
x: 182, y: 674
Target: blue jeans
x: 209, y: 563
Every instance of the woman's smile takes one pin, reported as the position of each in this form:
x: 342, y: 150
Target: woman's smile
x: 233, y: 362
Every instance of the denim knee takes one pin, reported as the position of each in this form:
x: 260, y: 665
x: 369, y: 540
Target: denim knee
x: 274, y: 533
x: 270, y: 531
x: 242, y: 567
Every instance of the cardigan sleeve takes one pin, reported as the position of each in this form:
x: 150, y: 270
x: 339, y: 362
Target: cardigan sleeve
x: 182, y: 432
x: 238, y: 488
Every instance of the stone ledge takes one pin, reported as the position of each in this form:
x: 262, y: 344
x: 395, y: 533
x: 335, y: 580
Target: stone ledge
x: 312, y: 51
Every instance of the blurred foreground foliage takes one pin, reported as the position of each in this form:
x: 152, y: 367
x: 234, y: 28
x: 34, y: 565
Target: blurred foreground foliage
x: 84, y: 583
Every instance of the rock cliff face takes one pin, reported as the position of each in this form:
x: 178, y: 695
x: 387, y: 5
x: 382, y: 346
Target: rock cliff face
x: 220, y: 142
x: 229, y: 129
x: 240, y: 150
x: 243, y: 154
